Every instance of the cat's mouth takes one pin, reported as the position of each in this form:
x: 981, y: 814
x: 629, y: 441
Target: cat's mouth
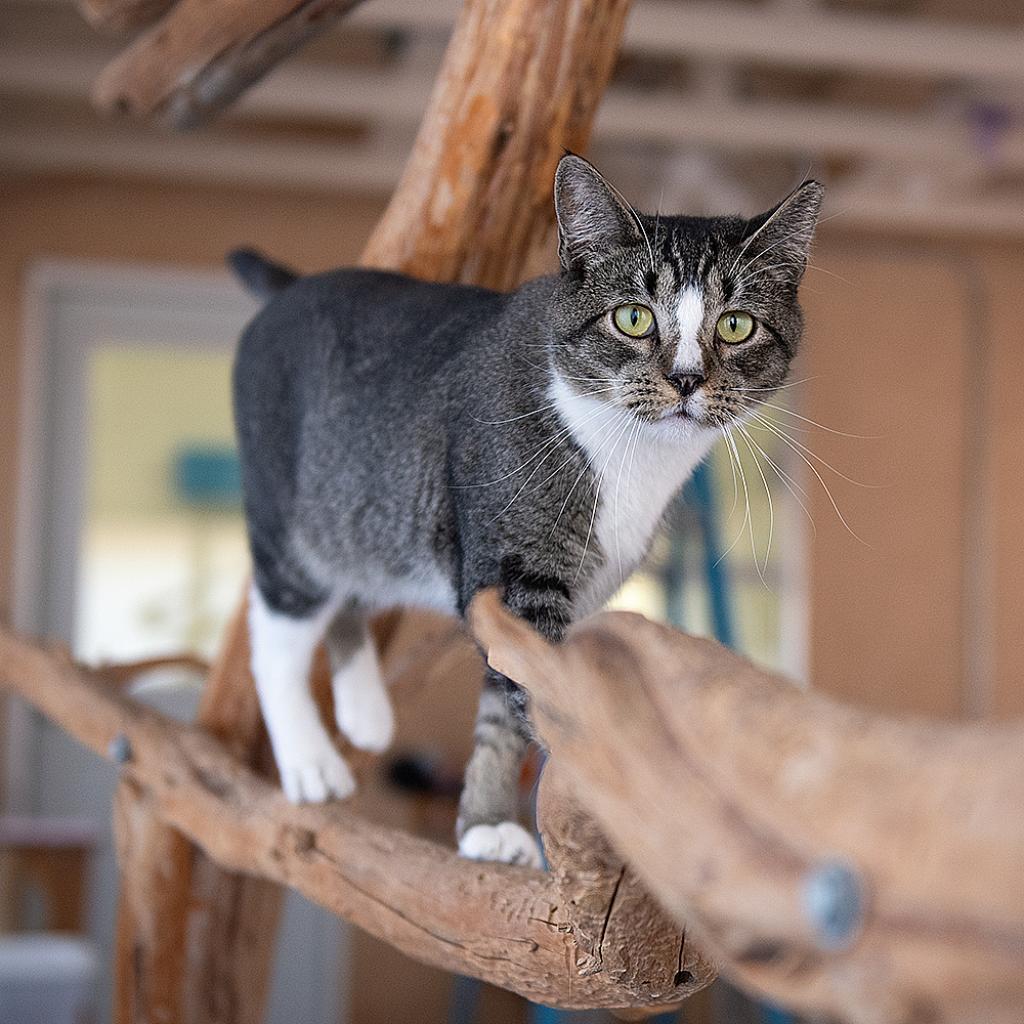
x: 681, y: 411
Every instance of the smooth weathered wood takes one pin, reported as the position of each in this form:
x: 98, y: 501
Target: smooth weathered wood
x: 152, y: 916
x: 124, y: 673
x: 729, y: 791
x: 510, y: 926
x: 520, y: 85
x: 194, y: 942
x: 118, y: 17
x: 203, y: 54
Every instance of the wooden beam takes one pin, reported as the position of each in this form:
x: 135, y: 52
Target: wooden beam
x: 510, y: 926
x: 844, y: 863
x: 397, y: 98
x: 204, y: 53
x: 120, y: 17
x: 474, y: 202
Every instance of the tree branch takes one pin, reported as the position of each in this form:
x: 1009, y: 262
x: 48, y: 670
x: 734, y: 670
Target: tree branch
x: 839, y: 861
x: 507, y: 925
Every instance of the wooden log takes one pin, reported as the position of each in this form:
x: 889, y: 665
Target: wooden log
x: 152, y: 923
x: 841, y: 862
x: 611, y: 907
x: 125, y: 673
x: 194, y: 942
x: 510, y: 926
x: 120, y: 17
x: 520, y: 85
x: 203, y: 54
x: 521, y: 80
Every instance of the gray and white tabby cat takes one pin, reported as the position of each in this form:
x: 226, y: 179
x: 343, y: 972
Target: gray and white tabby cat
x: 406, y: 443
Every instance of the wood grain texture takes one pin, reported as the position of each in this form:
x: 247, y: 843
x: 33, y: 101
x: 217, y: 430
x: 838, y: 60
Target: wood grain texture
x: 120, y: 17
x: 194, y: 942
x: 729, y: 790
x: 203, y: 54
x: 520, y: 85
x: 511, y: 926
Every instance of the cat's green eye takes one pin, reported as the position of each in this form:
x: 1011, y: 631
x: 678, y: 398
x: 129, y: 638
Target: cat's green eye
x: 735, y: 326
x: 636, y: 321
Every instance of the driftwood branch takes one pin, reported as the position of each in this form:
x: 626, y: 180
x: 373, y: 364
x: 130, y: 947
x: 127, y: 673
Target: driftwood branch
x: 124, y: 673
x: 203, y: 54
x: 839, y: 861
x: 510, y: 926
x: 520, y: 84
x: 118, y: 17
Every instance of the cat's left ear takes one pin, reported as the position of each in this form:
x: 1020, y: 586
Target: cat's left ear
x: 780, y: 239
x: 591, y: 217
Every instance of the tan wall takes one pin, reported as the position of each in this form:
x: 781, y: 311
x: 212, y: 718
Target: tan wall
x: 914, y: 344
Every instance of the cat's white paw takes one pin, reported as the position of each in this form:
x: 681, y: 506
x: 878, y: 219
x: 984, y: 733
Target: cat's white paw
x: 315, y: 772
x: 362, y: 707
x: 507, y: 842
x: 364, y: 715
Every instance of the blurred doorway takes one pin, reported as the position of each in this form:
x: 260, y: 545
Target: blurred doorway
x: 131, y: 541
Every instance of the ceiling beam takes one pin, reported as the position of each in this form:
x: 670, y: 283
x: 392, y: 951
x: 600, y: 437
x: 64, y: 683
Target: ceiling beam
x: 813, y: 38
x: 374, y: 168
x: 397, y: 96
x: 371, y: 168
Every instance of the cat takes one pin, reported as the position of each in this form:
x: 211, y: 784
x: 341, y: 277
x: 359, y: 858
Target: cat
x: 409, y: 443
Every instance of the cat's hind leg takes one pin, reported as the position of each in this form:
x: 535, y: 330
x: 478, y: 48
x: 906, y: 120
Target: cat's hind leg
x: 362, y: 707
x: 283, y: 644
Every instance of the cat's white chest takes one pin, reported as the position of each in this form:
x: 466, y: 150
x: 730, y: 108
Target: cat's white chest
x: 639, y: 471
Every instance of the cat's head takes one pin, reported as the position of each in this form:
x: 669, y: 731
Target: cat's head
x: 683, y: 321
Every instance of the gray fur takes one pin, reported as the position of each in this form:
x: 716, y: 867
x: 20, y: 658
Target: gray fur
x: 387, y: 426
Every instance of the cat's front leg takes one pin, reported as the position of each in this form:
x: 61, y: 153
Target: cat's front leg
x: 488, y: 828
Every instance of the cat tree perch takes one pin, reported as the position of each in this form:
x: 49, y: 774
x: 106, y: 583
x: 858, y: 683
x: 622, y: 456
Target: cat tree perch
x: 837, y: 861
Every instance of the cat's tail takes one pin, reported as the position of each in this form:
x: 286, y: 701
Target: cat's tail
x: 259, y: 275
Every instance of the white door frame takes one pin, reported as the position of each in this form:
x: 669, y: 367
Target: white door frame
x: 71, y: 307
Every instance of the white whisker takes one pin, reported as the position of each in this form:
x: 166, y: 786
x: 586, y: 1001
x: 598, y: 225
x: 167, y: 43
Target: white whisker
x: 820, y: 426
x: 535, y: 454
x: 746, y: 514
x: 787, y: 481
x: 814, y: 455
x: 788, y: 441
x: 778, y: 387
x: 768, y: 494
x: 543, y: 408
x: 583, y: 471
x: 735, y: 482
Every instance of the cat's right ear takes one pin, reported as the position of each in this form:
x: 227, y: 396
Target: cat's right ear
x: 591, y: 218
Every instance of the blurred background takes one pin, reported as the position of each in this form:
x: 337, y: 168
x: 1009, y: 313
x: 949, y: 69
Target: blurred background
x: 885, y: 568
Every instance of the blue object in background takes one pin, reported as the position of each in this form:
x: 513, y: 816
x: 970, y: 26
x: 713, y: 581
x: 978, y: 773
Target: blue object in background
x: 700, y: 494
x: 208, y: 476
x: 771, y: 1014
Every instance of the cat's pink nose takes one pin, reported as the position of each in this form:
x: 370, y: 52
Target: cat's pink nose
x: 686, y: 383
